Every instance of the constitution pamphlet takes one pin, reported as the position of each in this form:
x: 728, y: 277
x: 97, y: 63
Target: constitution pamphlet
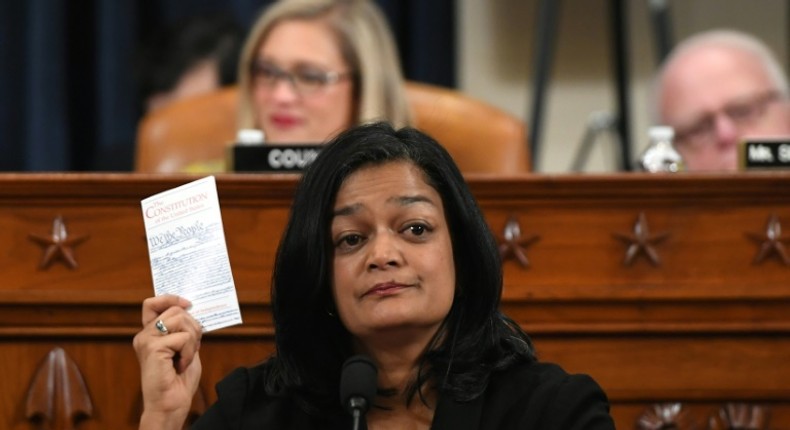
x: 189, y: 258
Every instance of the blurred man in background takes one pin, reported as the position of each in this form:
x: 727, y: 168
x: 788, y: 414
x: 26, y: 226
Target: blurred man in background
x: 716, y: 89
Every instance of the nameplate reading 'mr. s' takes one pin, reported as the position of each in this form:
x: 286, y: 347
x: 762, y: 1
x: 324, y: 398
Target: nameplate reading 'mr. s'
x: 765, y: 154
x: 273, y: 158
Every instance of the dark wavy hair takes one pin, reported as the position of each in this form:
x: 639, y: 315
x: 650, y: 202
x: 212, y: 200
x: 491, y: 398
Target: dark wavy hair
x: 475, y: 338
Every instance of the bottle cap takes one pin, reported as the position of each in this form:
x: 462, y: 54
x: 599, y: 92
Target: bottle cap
x: 249, y: 136
x: 661, y: 132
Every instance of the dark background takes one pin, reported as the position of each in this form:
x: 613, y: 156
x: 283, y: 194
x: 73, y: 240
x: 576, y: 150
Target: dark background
x: 69, y: 95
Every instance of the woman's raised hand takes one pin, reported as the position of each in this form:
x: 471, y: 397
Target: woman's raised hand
x: 167, y: 349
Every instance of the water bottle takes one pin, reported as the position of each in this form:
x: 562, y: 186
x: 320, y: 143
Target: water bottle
x: 250, y: 136
x: 660, y: 155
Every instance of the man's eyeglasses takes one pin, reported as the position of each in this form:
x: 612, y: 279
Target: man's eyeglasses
x: 305, y: 79
x: 742, y: 113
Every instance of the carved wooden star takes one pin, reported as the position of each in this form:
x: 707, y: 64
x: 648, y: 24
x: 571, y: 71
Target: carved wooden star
x: 641, y: 241
x: 514, y: 245
x: 771, y: 241
x: 58, y: 245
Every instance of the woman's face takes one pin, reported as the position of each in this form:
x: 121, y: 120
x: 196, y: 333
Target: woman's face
x: 317, y: 101
x: 393, y: 258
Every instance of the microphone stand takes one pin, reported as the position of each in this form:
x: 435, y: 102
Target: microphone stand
x: 598, y: 123
x: 358, y: 404
x: 357, y: 415
x: 546, y: 24
x: 662, y: 28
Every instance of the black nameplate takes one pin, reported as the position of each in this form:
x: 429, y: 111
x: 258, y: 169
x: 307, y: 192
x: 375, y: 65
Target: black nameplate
x: 765, y: 154
x: 272, y: 158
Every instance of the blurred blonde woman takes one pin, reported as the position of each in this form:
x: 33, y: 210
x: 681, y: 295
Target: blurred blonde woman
x: 313, y: 68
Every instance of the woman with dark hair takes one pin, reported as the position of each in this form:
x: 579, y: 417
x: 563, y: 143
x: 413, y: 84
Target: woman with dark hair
x: 385, y: 254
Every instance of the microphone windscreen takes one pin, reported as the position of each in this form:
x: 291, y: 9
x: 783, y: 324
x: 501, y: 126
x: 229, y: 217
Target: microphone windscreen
x: 358, y: 379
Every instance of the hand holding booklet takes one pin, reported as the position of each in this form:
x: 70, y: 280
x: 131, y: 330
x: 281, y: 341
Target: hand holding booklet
x: 189, y: 257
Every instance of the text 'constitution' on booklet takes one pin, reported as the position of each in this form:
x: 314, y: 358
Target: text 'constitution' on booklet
x: 189, y: 258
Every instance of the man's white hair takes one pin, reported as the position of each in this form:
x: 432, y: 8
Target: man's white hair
x: 730, y: 39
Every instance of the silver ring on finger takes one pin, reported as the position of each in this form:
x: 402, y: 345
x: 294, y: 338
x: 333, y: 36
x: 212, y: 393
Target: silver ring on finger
x: 161, y: 327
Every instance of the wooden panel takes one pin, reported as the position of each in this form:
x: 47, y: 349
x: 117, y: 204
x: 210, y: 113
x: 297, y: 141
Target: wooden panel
x: 706, y: 327
x: 111, y: 373
x: 681, y: 368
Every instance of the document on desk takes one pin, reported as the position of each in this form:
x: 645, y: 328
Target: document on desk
x: 189, y: 257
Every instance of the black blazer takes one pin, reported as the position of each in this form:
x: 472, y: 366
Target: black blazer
x: 537, y: 396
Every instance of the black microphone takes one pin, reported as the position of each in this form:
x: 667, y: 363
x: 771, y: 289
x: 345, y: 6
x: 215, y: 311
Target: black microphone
x: 358, y: 381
